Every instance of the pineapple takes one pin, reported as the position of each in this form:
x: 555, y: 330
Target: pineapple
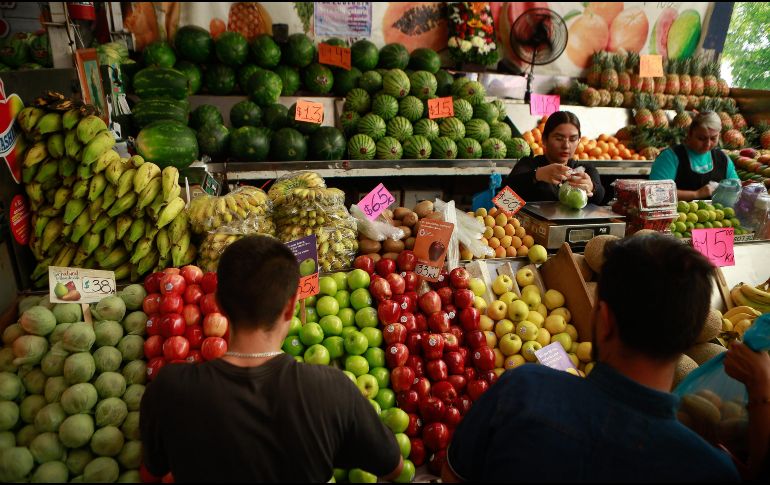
x: 692, y: 101
x: 616, y: 99
x: 710, y: 83
x: 658, y: 115
x: 724, y: 115
x: 659, y: 86
x: 733, y: 139
x: 624, y: 77
x: 672, y: 78
x: 604, y: 97
x: 595, y: 73
x: 250, y: 19
x: 609, y: 76
x: 626, y: 135
x: 588, y: 95
x: 643, y: 116
x: 632, y: 67
x: 649, y: 153
x: 685, y: 82
x: 682, y: 118
x: 724, y: 89
x: 764, y: 139
x: 696, y: 68
x: 737, y: 119
x: 629, y: 99
x: 660, y: 99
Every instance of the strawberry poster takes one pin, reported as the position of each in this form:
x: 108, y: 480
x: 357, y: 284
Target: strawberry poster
x: 10, y: 106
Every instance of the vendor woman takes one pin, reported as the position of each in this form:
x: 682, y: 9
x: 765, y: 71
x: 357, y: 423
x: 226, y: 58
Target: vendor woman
x: 696, y: 162
x: 538, y: 178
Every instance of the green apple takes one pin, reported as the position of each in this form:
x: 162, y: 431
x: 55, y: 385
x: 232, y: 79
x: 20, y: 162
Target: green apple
x: 357, y: 365
x: 508, y: 297
x: 532, y: 300
x: 480, y: 304
x: 327, y: 286
x: 331, y: 325
x: 510, y: 344
x: 536, y: 318
x: 310, y: 301
x: 502, y: 284
x: 555, y: 324
x: 348, y: 316
x: 382, y: 375
x: 396, y: 419
x: 527, y: 331
x: 404, y: 444
x: 294, y: 325
x: 528, y: 350
x: 356, y: 475
x: 525, y: 276
x: 537, y: 254
x: 477, y: 286
x: 351, y: 376
x: 343, y: 299
x: 386, y: 398
x: 366, y: 317
x: 356, y: 343
x: 347, y: 331
x: 360, y: 298
x: 296, y: 309
x: 293, y: 346
x: 373, y: 335
x: 518, y: 311
x: 503, y: 327
x: 317, y: 354
x: 375, y: 356
x: 340, y: 475
x: 358, y: 278
x: 368, y: 386
x: 341, y: 279
x: 307, y: 267
x: 299, y: 359
x: 311, y: 334
x: 564, y: 339
x: 327, y: 305
x: 60, y: 290
x: 407, y: 473
x: 311, y: 315
x: 335, y: 345
x: 375, y: 405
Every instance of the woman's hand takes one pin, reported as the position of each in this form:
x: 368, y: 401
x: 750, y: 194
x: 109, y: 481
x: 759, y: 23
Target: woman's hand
x: 554, y: 173
x: 704, y: 192
x: 749, y: 367
x: 583, y: 181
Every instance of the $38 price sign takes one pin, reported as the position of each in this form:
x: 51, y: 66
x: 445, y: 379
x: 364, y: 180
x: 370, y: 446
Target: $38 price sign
x: 376, y: 202
x: 430, y: 273
x: 100, y: 286
x: 309, y: 111
x: 715, y: 244
x: 508, y: 201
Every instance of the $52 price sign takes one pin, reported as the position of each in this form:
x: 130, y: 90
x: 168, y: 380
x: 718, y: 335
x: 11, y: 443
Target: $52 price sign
x: 715, y: 244
x: 508, y: 201
x: 376, y: 202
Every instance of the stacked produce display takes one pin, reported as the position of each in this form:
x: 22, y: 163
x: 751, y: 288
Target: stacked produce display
x: 24, y: 51
x: 703, y: 215
x: 753, y: 165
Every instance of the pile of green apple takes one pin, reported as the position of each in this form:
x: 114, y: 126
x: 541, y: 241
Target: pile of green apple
x: 341, y: 329
x: 702, y: 215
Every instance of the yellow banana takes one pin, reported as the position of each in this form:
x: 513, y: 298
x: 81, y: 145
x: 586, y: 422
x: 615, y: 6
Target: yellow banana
x: 101, y: 223
x: 80, y: 227
x: 80, y: 189
x: 755, y: 294
x: 740, y: 309
x: 115, y: 258
x: 101, y: 143
x: 740, y: 299
x: 28, y: 118
x: 189, y: 256
x: 51, y: 232
x: 28, y: 173
x: 122, y: 224
x: 115, y: 170
x: 80, y: 258
x: 170, y: 178
x: 63, y: 195
x: 49, y: 211
x: 97, y: 186
x: 136, y: 231
x: 84, y: 172
x: 123, y: 271
x: 162, y: 242
x: 47, y: 171
x: 88, y: 127
x: 110, y: 196
x: 73, y: 209
x: 70, y: 119
x: 48, y: 123
x: 178, y: 227
x: 147, y: 263
x: 153, y: 210
x: 170, y: 211
x: 90, y: 243
x: 136, y: 161
x: 179, y: 249
x: 122, y: 204
x: 72, y: 145
x: 104, y: 160
x: 35, y: 154
x: 126, y: 182
x: 64, y: 256
x: 95, y: 208
x: 110, y: 235
x: 67, y: 167
x: 143, y: 248
x: 55, y: 145
x: 150, y: 192
x: 144, y: 174
x: 39, y: 224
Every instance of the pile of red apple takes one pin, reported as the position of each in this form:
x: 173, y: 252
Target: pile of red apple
x: 439, y: 358
x: 185, y: 323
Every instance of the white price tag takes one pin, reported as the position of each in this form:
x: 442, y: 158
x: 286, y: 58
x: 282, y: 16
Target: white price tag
x: 431, y: 272
x: 69, y: 285
x: 509, y: 201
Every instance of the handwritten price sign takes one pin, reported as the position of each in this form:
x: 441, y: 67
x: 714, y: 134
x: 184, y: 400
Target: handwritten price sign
x: 715, y: 244
x: 70, y: 285
x: 651, y: 65
x: 441, y: 108
x: 430, y: 273
x: 376, y: 202
x: 509, y: 201
x: 308, y: 286
x: 334, y: 56
x: 544, y: 104
x: 309, y: 112
x: 98, y: 286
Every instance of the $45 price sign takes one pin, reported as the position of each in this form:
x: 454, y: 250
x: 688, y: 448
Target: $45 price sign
x: 376, y: 202
x: 715, y: 244
x: 508, y: 201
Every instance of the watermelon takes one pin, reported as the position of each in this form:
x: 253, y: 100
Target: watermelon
x: 265, y: 87
x: 40, y: 50
x: 444, y: 82
x: 361, y: 147
x: 372, y: 126
x: 161, y: 82
x: 501, y: 113
x: 382, y: 71
x: 327, y: 143
x: 487, y: 112
x: 304, y: 127
x: 463, y: 110
x: 148, y: 110
x: 399, y: 128
x: 358, y: 100
x: 411, y: 108
x: 424, y: 59
x: 468, y: 148
x: 289, y: 79
x: 364, y: 55
x: 193, y: 74
x: 417, y: 148
x: 427, y: 128
x: 232, y: 48
x: 15, y: 50
x: 30, y: 66
x: 345, y: 80
x: 275, y: 116
x: 473, y: 92
x: 477, y: 129
x: 245, y: 113
x: 493, y: 148
x: 500, y: 130
x: 457, y: 84
x: 167, y: 143
x: 370, y: 81
x: 349, y: 122
x: 517, y: 148
x: 249, y: 144
x: 265, y: 52
x: 396, y: 83
x: 159, y: 54
x: 244, y: 73
x: 393, y: 56
x: 336, y: 42
x: 423, y: 84
x: 443, y: 148
x: 385, y: 106
x: 288, y: 145
x: 388, y: 148
x: 213, y: 140
x: 318, y: 79
x: 205, y: 114
x: 298, y: 51
x: 452, y: 128
x: 220, y: 79
x: 194, y: 44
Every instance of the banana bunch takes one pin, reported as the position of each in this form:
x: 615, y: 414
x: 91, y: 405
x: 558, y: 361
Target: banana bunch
x: 756, y: 297
x: 212, y: 247
x: 297, y: 180
x: 246, y: 209
x: 739, y: 319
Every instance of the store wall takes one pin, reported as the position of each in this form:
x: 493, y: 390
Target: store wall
x: 19, y: 17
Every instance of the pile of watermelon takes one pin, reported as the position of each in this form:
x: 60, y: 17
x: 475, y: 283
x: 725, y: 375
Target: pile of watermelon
x: 25, y: 50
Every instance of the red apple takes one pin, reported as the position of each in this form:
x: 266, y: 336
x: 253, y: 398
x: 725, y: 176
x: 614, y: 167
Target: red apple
x: 459, y: 333
x: 422, y: 386
x: 406, y: 260
x: 490, y: 376
x: 430, y: 302
x: 451, y: 312
x: 459, y: 278
x: 209, y: 304
x: 464, y: 298
x: 192, y: 294
x: 458, y: 382
x: 176, y: 348
x: 209, y: 283
x: 394, y: 333
x: 445, y: 294
x: 380, y: 289
x: 408, y: 303
x: 470, y: 373
x: 385, y: 266
x: 396, y: 355
x: 173, y: 283
x: 171, y: 303
x: 417, y: 455
x: 388, y: 312
x: 414, y: 343
x: 414, y: 428
x: 171, y: 271
x: 214, y: 325
x: 194, y: 335
x: 154, y: 366
x: 421, y: 322
x: 438, y: 460
x: 452, y: 416
x: 417, y: 365
x: 436, y: 436
x: 470, y: 319
x: 443, y: 280
x: 476, y: 339
x: 153, y: 324
x: 445, y: 391
x: 438, y: 322
x: 194, y: 357
x: 191, y: 274
x: 152, y: 282
x: 213, y: 348
x: 433, y: 346
x: 401, y: 378
x: 476, y: 388
x: 465, y: 353
x: 397, y: 283
x: 463, y: 403
x: 153, y: 347
x: 171, y: 325
x: 450, y: 342
x: 436, y: 370
x: 431, y: 409
x: 151, y: 303
x: 411, y: 280
x: 455, y: 362
x: 407, y: 400
x: 192, y: 315
x: 408, y: 321
x: 365, y: 263
x: 483, y: 358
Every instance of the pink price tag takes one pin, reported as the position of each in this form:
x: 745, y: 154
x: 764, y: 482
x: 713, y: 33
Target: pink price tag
x: 376, y: 202
x: 716, y: 244
x: 544, y: 104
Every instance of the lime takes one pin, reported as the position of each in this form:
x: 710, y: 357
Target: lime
x: 678, y: 235
x: 699, y: 226
x: 693, y: 206
x: 708, y: 225
x: 703, y: 215
x: 727, y: 223
x: 712, y: 215
x: 690, y: 225
x: 735, y: 221
x: 702, y: 205
x: 717, y: 224
x: 718, y: 206
x: 729, y: 212
x: 720, y: 214
x: 692, y: 217
x: 680, y: 226
x: 683, y: 206
x: 682, y: 217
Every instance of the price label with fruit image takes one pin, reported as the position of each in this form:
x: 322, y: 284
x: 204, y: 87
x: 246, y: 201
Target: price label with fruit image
x: 309, y: 112
x: 441, y: 108
x: 306, y: 252
x: 376, y: 202
x: 79, y: 285
x: 715, y: 244
x: 430, y: 247
x: 508, y: 201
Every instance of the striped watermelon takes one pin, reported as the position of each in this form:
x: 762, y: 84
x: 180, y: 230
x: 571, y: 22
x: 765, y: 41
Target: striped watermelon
x: 463, y: 110
x: 444, y: 80
x: 349, y: 121
x: 473, y: 92
x: 517, y: 148
x: 417, y: 147
x: 501, y: 113
x: 388, y: 148
x: 318, y: 79
x: 148, y: 110
x: 424, y: 59
x: 275, y: 116
x: 385, y: 106
x: 358, y: 100
x: 193, y: 73
x: 244, y: 73
x: 159, y: 54
x: 423, y: 84
x: 396, y: 83
x: 486, y: 112
x: 194, y: 44
x: 167, y: 143
x: 411, y: 108
x: 288, y: 145
x: 468, y: 148
x: 328, y: 143
x: 213, y: 140
x: 161, y: 82
x: 443, y: 148
x: 364, y: 55
x: 399, y: 128
x: 477, y: 129
x: 289, y: 79
x: 265, y: 87
x: 393, y: 56
x: 452, y: 128
x: 298, y: 51
x: 231, y: 48
x: 245, y: 113
x: 500, y: 130
x: 370, y: 81
x: 361, y: 147
x: 493, y: 148
x: 220, y: 79
x: 249, y: 144
x: 457, y: 85
x: 205, y: 114
x: 427, y: 128
x: 345, y: 80
x: 372, y: 126
x: 265, y: 52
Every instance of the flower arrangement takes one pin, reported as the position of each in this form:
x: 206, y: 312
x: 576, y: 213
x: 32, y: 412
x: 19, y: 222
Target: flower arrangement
x: 472, y: 33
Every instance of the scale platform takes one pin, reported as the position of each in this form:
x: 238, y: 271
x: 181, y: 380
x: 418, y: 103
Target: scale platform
x: 551, y: 224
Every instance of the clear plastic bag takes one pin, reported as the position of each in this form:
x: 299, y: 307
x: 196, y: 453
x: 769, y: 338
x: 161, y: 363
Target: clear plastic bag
x: 246, y: 203
x: 286, y: 185
x: 573, y: 197
x: 376, y: 230
x: 337, y: 247
x: 469, y: 232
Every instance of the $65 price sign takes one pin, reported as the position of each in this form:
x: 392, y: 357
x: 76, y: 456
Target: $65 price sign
x: 376, y: 202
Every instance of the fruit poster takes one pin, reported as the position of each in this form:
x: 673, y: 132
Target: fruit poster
x: 342, y: 19
x: 306, y: 252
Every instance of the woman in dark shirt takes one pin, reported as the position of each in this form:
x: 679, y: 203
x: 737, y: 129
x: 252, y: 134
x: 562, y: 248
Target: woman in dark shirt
x: 538, y: 178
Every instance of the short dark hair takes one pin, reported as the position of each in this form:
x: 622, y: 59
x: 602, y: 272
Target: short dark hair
x: 257, y: 276
x: 659, y: 290
x: 560, y: 118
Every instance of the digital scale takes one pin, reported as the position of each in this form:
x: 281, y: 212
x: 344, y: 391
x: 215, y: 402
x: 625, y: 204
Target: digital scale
x: 551, y: 224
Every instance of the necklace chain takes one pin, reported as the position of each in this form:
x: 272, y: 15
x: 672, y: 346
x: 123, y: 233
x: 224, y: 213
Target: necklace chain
x: 258, y: 355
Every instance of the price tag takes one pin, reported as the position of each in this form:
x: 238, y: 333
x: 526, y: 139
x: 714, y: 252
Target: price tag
x: 650, y: 65
x: 715, y: 244
x: 334, y: 56
x: 306, y: 252
x: 430, y: 247
x: 441, y: 108
x: 308, y: 286
x: 69, y: 285
x: 509, y: 201
x: 376, y: 202
x: 555, y: 357
x: 544, y: 104
x: 309, y: 112
x: 210, y: 185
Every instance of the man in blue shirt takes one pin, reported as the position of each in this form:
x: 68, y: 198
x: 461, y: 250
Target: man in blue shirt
x: 618, y: 424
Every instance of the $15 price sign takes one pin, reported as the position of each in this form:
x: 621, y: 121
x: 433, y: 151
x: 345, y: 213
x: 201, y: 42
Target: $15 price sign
x: 715, y: 244
x: 430, y: 247
x: 68, y: 285
x: 441, y: 108
x: 508, y: 201
x: 309, y: 112
x: 376, y: 202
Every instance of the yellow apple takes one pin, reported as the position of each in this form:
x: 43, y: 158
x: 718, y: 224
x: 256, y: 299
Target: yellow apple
x: 564, y: 312
x: 541, y: 309
x: 481, y: 212
x: 499, y: 358
x: 543, y: 337
x: 508, y: 297
x: 499, y: 371
x: 574, y: 348
x: 497, y: 310
x: 572, y: 331
x: 488, y: 232
x: 502, y: 284
x: 532, y: 300
x: 528, y: 350
x: 491, y: 339
x: 565, y: 341
x: 527, y: 331
x: 480, y: 304
x: 525, y: 276
x: 535, y: 318
x: 530, y: 289
x: 585, y: 352
x: 555, y: 324
x: 503, y: 327
x: 510, y: 344
x: 518, y: 311
x: 486, y: 323
x: 477, y: 286
x: 553, y: 299
x: 537, y: 254
x: 574, y: 359
x: 589, y: 367
x: 501, y: 220
x: 513, y: 361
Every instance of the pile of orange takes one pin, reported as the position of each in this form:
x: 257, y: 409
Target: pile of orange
x: 605, y: 147
x: 535, y: 137
x: 503, y: 233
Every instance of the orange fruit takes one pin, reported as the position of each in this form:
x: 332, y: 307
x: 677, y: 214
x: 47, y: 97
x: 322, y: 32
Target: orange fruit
x: 603, y: 137
x: 510, y: 252
x: 493, y: 211
x: 595, y: 152
x: 484, y: 241
x: 515, y: 223
x: 521, y: 232
x: 528, y: 241
x: 509, y: 229
x: 522, y: 252
x: 494, y: 243
x: 499, y: 252
x: 516, y: 242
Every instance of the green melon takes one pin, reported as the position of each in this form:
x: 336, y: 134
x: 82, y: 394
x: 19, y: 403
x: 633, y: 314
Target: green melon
x: 411, y: 108
x: 213, y: 140
x: 232, y: 48
x: 487, y: 112
x: 396, y: 83
x: 361, y: 147
x: 427, y: 128
x: 318, y: 79
x: 500, y: 130
x: 370, y: 81
x: 364, y: 55
x: 463, y: 110
x: 388, y: 148
x: 168, y: 142
x: 288, y: 145
x: 457, y: 84
x: 473, y: 92
x: 372, y: 126
x: 265, y: 87
x: 501, y: 113
x: 336, y: 42
x: 444, y: 81
x: 304, y: 127
x: 193, y: 73
x: 349, y: 122
x: 345, y: 80
x: 298, y: 51
x: 477, y: 129
x: 399, y: 128
x: 394, y: 56
x: 493, y: 148
x: 265, y: 52
x: 275, y: 116
x: 423, y: 84
x: 452, y: 128
x: 417, y: 147
x: 358, y: 100
x: 194, y: 44
x: 517, y: 148
x: 289, y: 79
x: 160, y: 54
x: 327, y: 143
x: 249, y: 144
x: 424, y: 59
x: 385, y: 106
x: 244, y: 73
x: 245, y: 113
x: 443, y: 148
x: 205, y: 114
x: 220, y: 79
x: 468, y: 148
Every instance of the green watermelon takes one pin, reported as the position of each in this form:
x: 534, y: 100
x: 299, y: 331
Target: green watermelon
x: 249, y: 144
x: 444, y: 82
x: 318, y: 79
x: 487, y: 112
x: 194, y: 44
x: 364, y: 55
x: 399, y: 128
x: 303, y: 127
x: 370, y: 81
x: 443, y: 148
x: 148, y: 110
x: 396, y: 83
x: 417, y: 147
x: 345, y: 80
x: 288, y: 145
x: 384, y: 106
x: 265, y: 52
x: 517, y: 148
x: 427, y: 128
x: 423, y: 84
x: 167, y: 143
x: 40, y: 50
x: 327, y: 143
x: 463, y: 110
x: 388, y: 148
x: 336, y: 42
x: 473, y: 92
x: 244, y: 73
x: 358, y: 100
x: 15, y: 50
x: 205, y: 114
x: 160, y: 82
x: 477, y: 129
x: 394, y: 56
x: 298, y: 51
x: 159, y: 54
x: 493, y: 148
x: 349, y: 122
x: 193, y: 74
x: 457, y: 84
x: 372, y: 126
x: 500, y: 130
x: 501, y: 113
x: 411, y: 108
x: 265, y: 87
x: 424, y: 59
x: 468, y: 148
x: 275, y: 116
x: 289, y: 79
x: 220, y: 79
x: 245, y: 113
x: 213, y: 140
x: 232, y: 48
x: 361, y: 147
x: 452, y: 128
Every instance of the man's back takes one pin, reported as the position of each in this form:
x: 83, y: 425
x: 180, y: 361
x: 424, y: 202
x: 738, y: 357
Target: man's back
x: 539, y: 424
x: 282, y: 421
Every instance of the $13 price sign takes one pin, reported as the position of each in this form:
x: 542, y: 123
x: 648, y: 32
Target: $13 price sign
x: 309, y: 112
x: 509, y: 201
x: 68, y: 285
x: 715, y: 244
x: 376, y: 202
x: 441, y: 108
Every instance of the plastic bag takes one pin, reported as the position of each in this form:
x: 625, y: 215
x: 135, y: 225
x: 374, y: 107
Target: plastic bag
x: 469, y: 232
x: 337, y: 247
x: 293, y: 183
x: 246, y: 203
x: 376, y: 230
x: 573, y: 197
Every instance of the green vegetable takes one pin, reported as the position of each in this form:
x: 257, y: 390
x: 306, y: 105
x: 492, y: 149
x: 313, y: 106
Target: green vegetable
x: 79, y: 398
x: 107, y: 441
x: 54, y: 387
x: 67, y: 312
x: 7, y: 439
x: 58, y: 333
x: 133, y: 296
x: 79, y: 337
x: 79, y: 367
x: 10, y: 386
x: 11, y: 333
x: 130, y: 426
x: 108, y: 333
x: 29, y: 349
x: 102, y: 469
x: 133, y: 396
x: 111, y: 308
x: 51, y: 472
x: 78, y: 459
x: 111, y: 412
x: 50, y: 417
x: 110, y: 384
x: 9, y: 415
x: 38, y: 320
x: 33, y: 380
x: 15, y: 464
x: 76, y: 431
x: 47, y: 447
x: 135, y: 372
x: 132, y: 347
x: 52, y: 364
x: 135, y: 323
x: 107, y: 359
x: 131, y: 455
x: 30, y: 406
